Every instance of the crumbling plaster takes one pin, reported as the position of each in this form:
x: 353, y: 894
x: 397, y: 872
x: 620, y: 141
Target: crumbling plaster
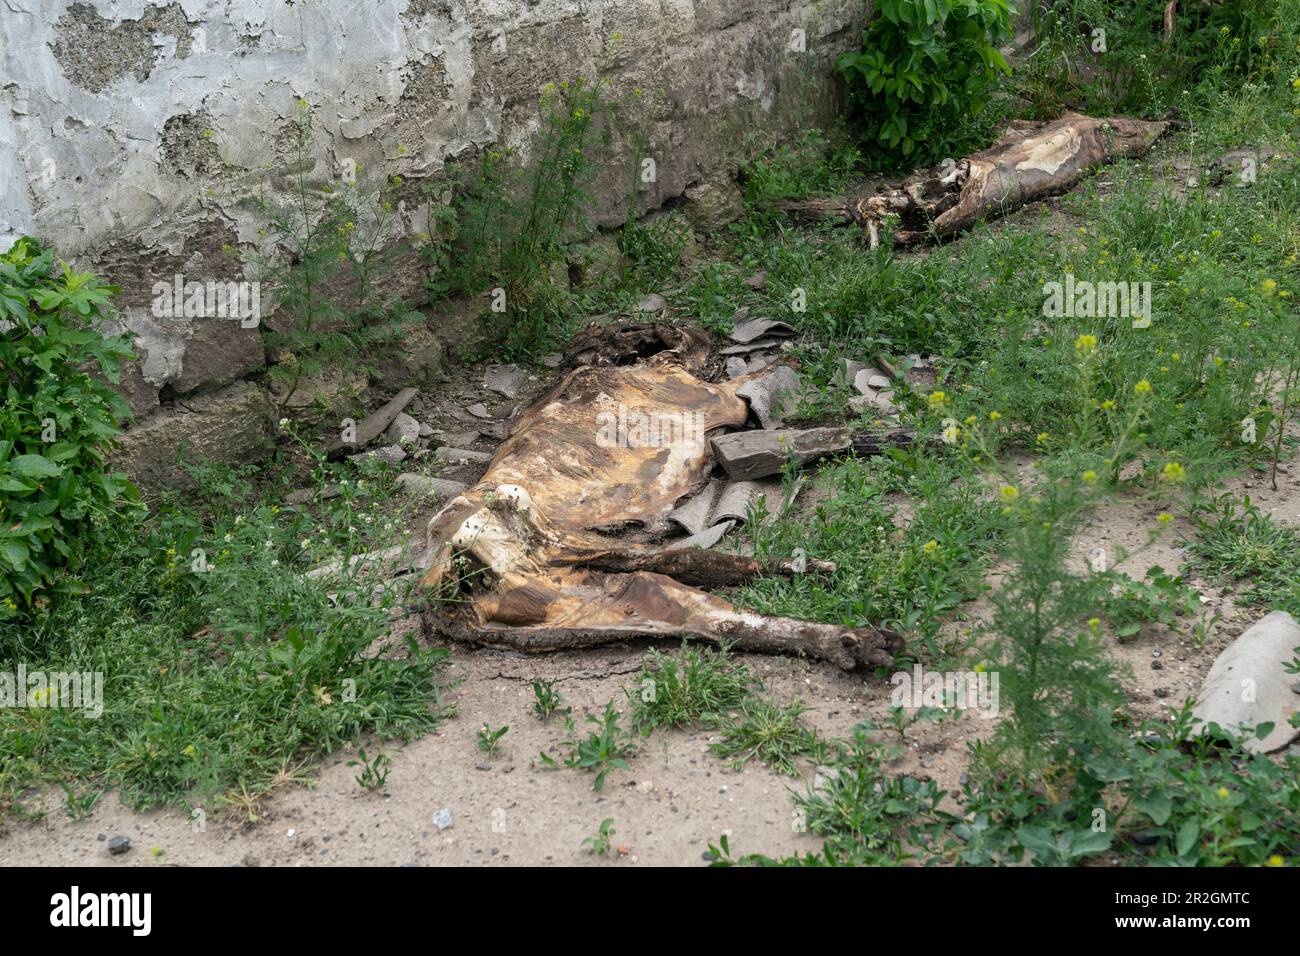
x: 132, y: 133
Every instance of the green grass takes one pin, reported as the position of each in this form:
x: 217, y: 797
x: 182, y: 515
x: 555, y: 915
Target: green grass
x: 906, y: 574
x: 696, y: 685
x: 218, y: 683
x: 774, y: 734
x: 1240, y: 546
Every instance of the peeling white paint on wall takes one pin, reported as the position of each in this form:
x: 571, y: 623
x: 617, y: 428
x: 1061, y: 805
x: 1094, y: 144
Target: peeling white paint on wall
x: 131, y: 130
x: 90, y: 86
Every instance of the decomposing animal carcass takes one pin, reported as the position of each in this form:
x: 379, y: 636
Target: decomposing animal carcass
x: 561, y: 544
x: 1032, y: 161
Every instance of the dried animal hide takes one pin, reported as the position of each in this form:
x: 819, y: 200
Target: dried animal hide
x: 560, y: 544
x: 1033, y: 161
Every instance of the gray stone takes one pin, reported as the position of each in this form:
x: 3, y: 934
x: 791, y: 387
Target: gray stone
x: 403, y: 431
x: 1248, y: 684
x: 119, y: 845
x: 461, y: 456
x: 442, y: 819
x: 712, y: 206
x: 218, y: 352
x: 756, y: 329
x: 372, y: 426
x: 388, y: 454
x: 505, y: 380
x: 423, y: 486
x: 228, y: 426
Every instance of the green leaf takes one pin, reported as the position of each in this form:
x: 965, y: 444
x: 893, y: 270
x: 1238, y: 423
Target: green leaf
x: 15, y: 552
x: 35, y: 466
x: 1091, y: 842
x: 62, y: 451
x: 1188, y: 834
x: 1037, y: 840
x: 1157, y: 807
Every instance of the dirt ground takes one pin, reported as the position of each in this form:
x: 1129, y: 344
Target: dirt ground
x: 674, y: 800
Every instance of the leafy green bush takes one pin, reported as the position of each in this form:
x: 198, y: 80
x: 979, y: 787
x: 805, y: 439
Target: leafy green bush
x: 926, y: 67
x: 1139, y: 791
x: 326, y: 260
x: 504, y: 223
x: 56, y: 420
x: 1113, y: 56
x: 226, y: 669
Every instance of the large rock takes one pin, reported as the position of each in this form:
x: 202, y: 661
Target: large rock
x: 188, y: 355
x: 418, y: 358
x: 713, y: 205
x: 227, y: 426
x: 1248, y: 686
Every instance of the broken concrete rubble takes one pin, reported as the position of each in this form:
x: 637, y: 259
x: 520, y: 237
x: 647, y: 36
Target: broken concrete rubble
x: 505, y: 380
x: 370, y: 427
x: 423, y: 486
x: 771, y: 396
x: 1249, y: 687
x: 755, y: 329
x: 404, y: 430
